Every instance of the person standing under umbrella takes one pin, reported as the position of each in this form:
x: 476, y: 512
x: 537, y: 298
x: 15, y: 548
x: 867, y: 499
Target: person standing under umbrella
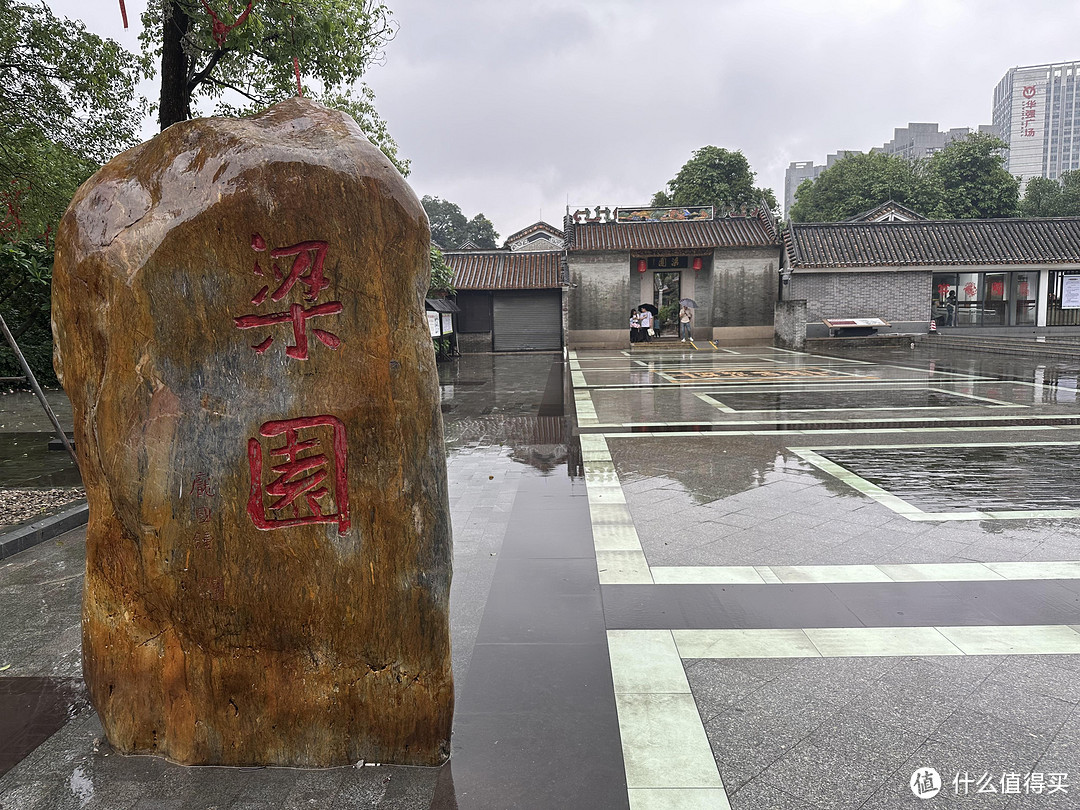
x: 686, y: 317
x: 646, y: 323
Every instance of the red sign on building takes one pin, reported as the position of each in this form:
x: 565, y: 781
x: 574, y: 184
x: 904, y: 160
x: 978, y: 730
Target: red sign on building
x: 1028, y: 109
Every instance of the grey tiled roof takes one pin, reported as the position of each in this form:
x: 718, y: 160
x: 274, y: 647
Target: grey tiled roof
x: 505, y: 270
x: 889, y: 207
x: 748, y: 231
x: 934, y: 243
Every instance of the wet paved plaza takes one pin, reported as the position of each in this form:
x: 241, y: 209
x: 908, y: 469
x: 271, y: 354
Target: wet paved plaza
x: 692, y: 579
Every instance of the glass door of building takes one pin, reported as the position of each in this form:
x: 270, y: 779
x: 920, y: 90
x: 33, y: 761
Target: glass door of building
x: 1025, y: 299
x: 667, y: 289
x: 993, y: 301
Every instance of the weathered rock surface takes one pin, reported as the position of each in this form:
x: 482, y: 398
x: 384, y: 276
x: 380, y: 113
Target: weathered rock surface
x: 238, y: 314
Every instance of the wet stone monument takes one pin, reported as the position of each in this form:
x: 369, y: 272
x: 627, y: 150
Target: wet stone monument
x: 237, y: 306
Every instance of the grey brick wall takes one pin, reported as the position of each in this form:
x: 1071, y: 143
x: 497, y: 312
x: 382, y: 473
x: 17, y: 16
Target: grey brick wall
x: 743, y: 288
x: 789, y: 322
x: 602, y: 298
x: 895, y: 295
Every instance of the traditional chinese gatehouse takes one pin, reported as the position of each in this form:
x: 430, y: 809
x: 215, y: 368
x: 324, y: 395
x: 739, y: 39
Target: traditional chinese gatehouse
x: 1012, y: 275
x: 619, y: 260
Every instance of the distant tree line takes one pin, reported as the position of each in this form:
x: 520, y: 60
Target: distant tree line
x: 965, y: 180
x: 450, y: 229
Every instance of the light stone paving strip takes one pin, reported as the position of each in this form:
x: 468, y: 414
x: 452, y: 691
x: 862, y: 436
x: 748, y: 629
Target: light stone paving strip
x: 744, y: 422
x: 586, y: 410
x: 858, y: 642
x: 720, y: 434
x: 665, y: 749
x: 826, y: 574
x: 619, y: 556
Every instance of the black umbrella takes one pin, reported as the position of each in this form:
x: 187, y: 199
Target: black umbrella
x: 688, y: 302
x: 651, y: 308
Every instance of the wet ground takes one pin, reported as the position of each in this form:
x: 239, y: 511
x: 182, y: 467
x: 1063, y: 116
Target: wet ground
x: 690, y: 579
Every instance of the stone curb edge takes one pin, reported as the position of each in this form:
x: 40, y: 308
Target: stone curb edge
x: 26, y: 535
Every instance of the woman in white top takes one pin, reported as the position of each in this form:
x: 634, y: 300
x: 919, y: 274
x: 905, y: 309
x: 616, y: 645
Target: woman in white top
x: 646, y: 322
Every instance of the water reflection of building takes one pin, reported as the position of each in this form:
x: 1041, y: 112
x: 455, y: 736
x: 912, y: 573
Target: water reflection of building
x: 543, y: 442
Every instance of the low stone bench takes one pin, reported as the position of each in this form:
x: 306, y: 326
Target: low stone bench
x: 853, y: 327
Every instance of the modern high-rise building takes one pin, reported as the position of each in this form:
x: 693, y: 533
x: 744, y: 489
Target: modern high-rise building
x: 798, y: 171
x: 916, y: 141
x: 1037, y: 112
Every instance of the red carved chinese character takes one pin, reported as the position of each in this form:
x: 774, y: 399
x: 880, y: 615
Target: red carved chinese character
x: 997, y: 288
x: 970, y: 289
x: 307, y: 270
x: 202, y: 514
x: 203, y: 540
x: 203, y: 487
x: 299, y: 496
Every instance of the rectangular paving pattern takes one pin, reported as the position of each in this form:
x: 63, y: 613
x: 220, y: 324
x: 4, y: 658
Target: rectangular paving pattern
x: 833, y: 399
x: 876, y: 594
x: 1015, y: 477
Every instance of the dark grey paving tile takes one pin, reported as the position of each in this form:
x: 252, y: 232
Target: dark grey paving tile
x: 720, y: 606
x: 539, y: 760
x: 761, y: 794
x: 837, y: 774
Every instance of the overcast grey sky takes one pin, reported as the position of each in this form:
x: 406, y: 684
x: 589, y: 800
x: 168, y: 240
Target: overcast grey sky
x: 513, y: 107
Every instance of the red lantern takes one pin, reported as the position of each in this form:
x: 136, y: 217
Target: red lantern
x: 697, y: 262
x: 642, y: 265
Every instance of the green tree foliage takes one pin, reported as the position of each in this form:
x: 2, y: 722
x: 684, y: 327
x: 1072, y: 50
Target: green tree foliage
x: 1052, y: 198
x: 717, y: 177
x: 481, y: 232
x: 450, y: 228
x: 968, y: 180
x: 442, y: 277
x: 855, y: 184
x: 965, y: 180
x: 65, y: 107
x: 25, y: 284
x: 447, y: 222
x: 252, y: 57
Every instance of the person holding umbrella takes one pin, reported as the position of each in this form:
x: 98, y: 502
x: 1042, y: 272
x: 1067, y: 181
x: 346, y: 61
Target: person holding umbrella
x: 650, y: 320
x: 646, y: 324
x: 686, y: 317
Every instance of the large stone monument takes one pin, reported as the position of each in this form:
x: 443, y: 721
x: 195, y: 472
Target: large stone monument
x: 238, y: 312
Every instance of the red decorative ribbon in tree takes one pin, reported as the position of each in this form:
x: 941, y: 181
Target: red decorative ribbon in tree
x: 220, y: 29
